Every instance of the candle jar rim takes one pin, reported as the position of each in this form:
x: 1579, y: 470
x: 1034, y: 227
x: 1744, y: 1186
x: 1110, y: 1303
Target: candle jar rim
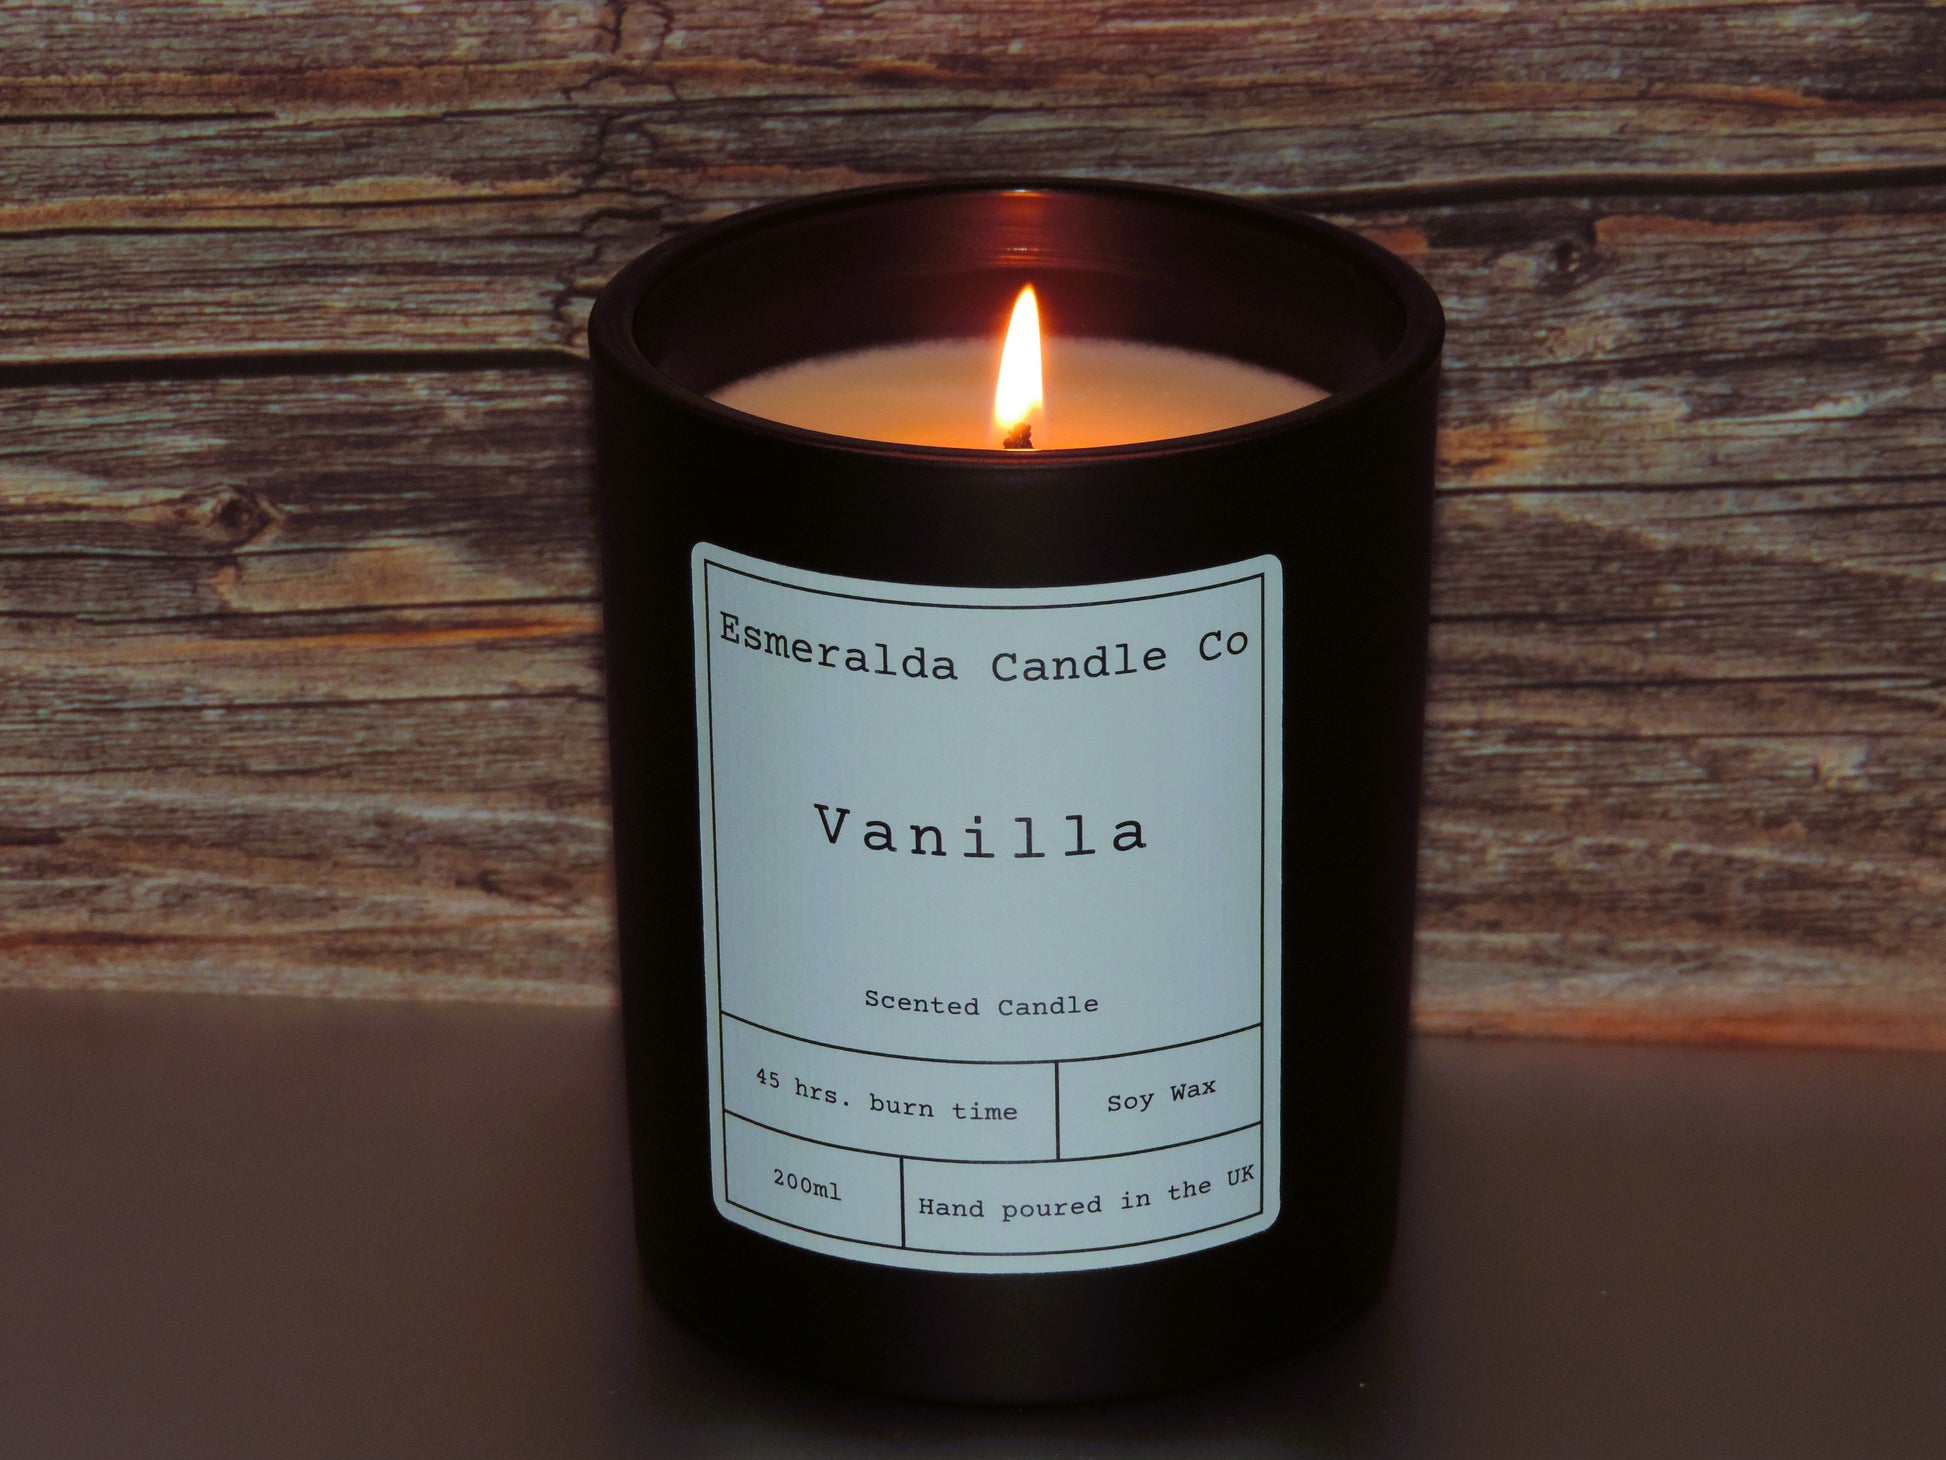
x: 1351, y: 282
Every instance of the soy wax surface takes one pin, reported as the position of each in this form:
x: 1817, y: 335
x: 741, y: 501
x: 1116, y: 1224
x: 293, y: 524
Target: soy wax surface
x: 1099, y: 392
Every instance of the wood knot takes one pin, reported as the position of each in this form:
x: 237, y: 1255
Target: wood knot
x: 233, y: 515
x: 1571, y: 261
x: 534, y: 887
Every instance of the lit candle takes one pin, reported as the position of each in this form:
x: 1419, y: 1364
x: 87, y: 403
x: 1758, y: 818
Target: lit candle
x: 1102, y: 392
x: 1014, y: 834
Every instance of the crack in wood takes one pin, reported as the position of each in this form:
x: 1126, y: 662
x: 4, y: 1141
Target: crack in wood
x: 348, y: 702
x: 1594, y: 185
x: 268, y: 364
x: 129, y: 118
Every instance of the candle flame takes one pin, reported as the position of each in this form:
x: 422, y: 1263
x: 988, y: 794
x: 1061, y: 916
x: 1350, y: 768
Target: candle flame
x: 1018, y: 392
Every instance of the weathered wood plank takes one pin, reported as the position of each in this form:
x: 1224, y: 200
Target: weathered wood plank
x: 1685, y: 768
x: 1347, y: 140
x: 1765, y: 61
x: 236, y: 500
x: 1589, y: 320
x: 1597, y: 341
x: 430, y: 280
x: 300, y: 688
x: 300, y: 177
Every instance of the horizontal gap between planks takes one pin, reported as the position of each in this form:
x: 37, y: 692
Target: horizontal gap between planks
x: 1753, y: 488
x: 1651, y: 184
x: 99, y: 119
x: 251, y: 365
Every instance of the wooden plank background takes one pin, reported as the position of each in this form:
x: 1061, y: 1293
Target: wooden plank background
x: 298, y: 631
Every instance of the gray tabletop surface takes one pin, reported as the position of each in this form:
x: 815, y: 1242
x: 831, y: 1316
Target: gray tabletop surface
x: 268, y: 1227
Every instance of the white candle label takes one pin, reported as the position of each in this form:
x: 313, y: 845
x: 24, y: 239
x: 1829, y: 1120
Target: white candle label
x: 991, y: 905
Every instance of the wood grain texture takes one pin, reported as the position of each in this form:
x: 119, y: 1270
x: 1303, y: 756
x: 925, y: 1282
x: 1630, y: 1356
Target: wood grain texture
x: 297, y: 612
x: 301, y: 688
x: 351, y: 175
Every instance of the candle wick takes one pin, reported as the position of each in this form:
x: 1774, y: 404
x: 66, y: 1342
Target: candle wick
x: 1021, y: 438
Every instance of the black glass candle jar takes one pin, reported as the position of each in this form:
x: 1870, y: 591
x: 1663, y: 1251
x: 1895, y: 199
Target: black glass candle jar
x: 1015, y: 850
